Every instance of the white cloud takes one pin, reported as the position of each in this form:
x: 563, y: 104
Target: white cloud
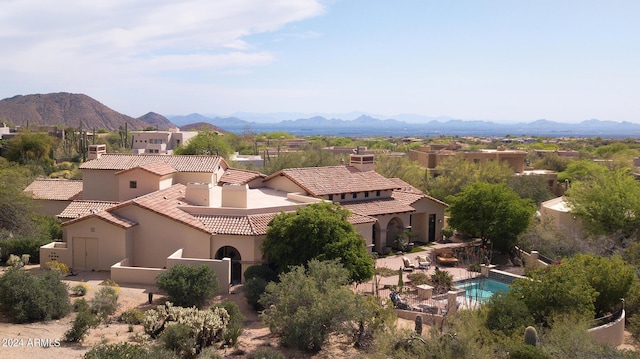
x: 101, y: 39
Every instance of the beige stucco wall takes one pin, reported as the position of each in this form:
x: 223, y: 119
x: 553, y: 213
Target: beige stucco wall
x: 146, y: 182
x: 563, y: 220
x: 222, y: 267
x: 111, y: 241
x: 122, y: 272
x: 50, y: 207
x: 420, y: 221
x: 157, y: 237
x: 611, y: 333
x: 99, y: 185
x: 249, y: 248
x: 366, y: 231
x: 198, y: 177
x: 55, y: 251
x: 284, y: 184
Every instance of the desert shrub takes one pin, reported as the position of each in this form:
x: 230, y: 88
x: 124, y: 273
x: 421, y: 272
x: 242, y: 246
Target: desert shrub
x: 26, y: 297
x: 418, y: 278
x: 14, y: 261
x: 105, y: 302
x: 525, y: 351
x: 210, y: 353
x: 80, y: 289
x: 260, y: 271
x: 80, y: 304
x: 127, y: 351
x: 266, y: 353
x: 206, y: 326
x: 81, y: 324
x: 234, y: 327
x: 111, y: 283
x: 386, y: 271
x: 507, y: 313
x: 21, y: 246
x: 59, y: 267
x: 132, y: 316
x: 309, y: 304
x: 253, y: 290
x: 188, y: 286
x: 177, y: 338
x: 633, y: 326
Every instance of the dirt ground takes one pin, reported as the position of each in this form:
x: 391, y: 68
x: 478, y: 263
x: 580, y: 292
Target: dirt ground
x: 44, y: 340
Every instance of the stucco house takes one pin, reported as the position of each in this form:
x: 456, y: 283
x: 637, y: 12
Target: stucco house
x: 557, y: 212
x: 139, y: 215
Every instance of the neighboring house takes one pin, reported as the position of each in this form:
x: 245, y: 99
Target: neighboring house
x: 557, y: 212
x: 142, y: 214
x: 159, y: 142
x: 52, y: 196
x: 432, y: 156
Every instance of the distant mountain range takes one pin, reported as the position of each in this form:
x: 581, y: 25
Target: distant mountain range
x: 365, y: 125
x: 69, y: 110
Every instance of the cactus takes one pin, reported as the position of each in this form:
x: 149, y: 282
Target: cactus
x: 418, y: 325
x: 531, y: 336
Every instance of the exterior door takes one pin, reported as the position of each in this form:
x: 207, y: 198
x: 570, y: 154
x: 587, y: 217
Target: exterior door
x: 432, y: 227
x: 85, y: 253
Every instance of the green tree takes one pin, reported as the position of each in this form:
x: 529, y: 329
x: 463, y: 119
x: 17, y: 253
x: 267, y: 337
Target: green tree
x: 556, y: 290
x: 533, y: 187
x: 308, y: 305
x: 30, y: 147
x: 581, y: 170
x: 318, y: 231
x: 492, y: 212
x: 207, y: 143
x: 607, y: 202
x: 401, y: 167
x: 189, y: 286
x: 610, y: 277
x: 457, y: 173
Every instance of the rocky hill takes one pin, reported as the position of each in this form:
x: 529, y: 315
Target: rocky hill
x: 200, y: 126
x: 69, y: 110
x: 156, y: 120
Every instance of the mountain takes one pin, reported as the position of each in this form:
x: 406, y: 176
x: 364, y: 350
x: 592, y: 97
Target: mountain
x: 157, y: 120
x: 201, y: 125
x: 66, y: 110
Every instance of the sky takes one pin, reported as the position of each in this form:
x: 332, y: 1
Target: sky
x: 502, y: 61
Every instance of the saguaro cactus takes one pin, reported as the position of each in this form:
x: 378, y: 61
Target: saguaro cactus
x: 531, y: 336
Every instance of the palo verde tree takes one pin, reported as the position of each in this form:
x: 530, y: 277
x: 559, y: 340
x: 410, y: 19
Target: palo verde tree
x: 607, y: 202
x: 206, y: 142
x: 318, y: 231
x: 492, y: 212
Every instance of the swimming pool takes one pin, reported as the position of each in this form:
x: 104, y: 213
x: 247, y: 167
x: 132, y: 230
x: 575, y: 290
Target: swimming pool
x: 481, y: 289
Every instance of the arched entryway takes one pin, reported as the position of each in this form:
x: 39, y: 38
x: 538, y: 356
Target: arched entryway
x: 394, y: 228
x: 236, y: 266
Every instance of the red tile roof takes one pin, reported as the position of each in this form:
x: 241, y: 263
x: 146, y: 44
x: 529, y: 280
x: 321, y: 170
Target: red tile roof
x: 115, y: 219
x: 238, y: 176
x: 183, y: 163
x: 409, y: 194
x: 320, y: 181
x: 378, y: 206
x: 55, y: 189
x: 156, y: 168
x: 249, y: 225
x: 81, y: 208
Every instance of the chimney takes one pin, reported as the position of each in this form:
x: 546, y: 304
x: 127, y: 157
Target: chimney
x: 363, y: 163
x: 235, y: 195
x: 96, y: 151
x: 200, y: 194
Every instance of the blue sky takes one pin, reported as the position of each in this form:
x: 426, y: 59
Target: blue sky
x: 504, y: 61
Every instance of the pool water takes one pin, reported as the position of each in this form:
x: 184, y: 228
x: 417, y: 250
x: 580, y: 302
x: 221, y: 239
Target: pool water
x: 481, y: 289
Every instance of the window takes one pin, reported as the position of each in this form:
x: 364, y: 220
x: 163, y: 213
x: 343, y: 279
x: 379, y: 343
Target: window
x: 342, y: 196
x: 366, y: 194
x: 133, y: 184
x: 377, y: 193
x: 354, y: 195
x: 330, y: 197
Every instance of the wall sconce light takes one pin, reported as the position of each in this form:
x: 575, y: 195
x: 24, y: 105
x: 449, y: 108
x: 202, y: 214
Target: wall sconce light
x: 439, y: 221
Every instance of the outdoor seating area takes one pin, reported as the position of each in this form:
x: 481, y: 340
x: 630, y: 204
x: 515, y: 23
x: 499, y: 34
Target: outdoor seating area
x: 445, y: 256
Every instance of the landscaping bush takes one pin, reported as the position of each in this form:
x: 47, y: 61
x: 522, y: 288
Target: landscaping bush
x: 132, y: 316
x: 177, y: 338
x: 188, y: 286
x: 260, y: 271
x: 418, y: 278
x: 507, y: 313
x: 25, y: 297
x: 266, y: 353
x: 14, y: 261
x: 253, y: 290
x: 235, y: 326
x: 127, y: 351
x: 80, y: 289
x: 441, y: 281
x: 81, y: 324
x: 105, y: 302
x: 59, y: 267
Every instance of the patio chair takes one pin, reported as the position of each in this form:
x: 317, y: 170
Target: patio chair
x: 408, y: 266
x: 423, y: 262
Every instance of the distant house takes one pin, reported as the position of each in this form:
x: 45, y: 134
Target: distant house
x: 159, y: 142
x: 138, y: 215
x: 432, y: 156
x: 557, y: 212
